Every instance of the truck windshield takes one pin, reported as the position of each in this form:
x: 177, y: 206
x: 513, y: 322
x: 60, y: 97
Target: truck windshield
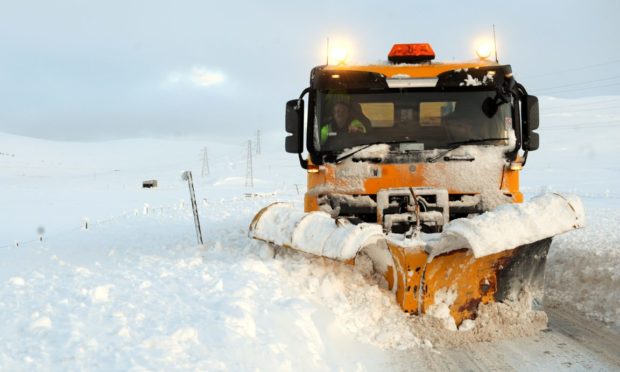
x: 430, y: 119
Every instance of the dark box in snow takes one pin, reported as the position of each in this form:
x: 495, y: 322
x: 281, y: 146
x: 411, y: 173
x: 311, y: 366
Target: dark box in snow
x: 149, y: 184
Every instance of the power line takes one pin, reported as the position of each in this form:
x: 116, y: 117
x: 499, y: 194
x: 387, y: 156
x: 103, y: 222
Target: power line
x: 258, y: 142
x: 597, y: 122
x: 249, y: 176
x: 616, y: 124
x: 205, y: 163
x: 593, y: 124
x: 615, y: 99
x: 582, y: 83
x: 559, y: 111
x: 584, y: 88
x: 573, y: 69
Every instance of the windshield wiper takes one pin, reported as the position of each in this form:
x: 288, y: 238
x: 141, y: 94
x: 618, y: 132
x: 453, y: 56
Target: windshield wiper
x: 456, y: 145
x: 364, y: 147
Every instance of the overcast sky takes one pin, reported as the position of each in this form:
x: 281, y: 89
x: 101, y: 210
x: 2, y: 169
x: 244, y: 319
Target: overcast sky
x: 86, y: 70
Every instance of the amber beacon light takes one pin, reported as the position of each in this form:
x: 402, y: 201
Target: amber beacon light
x: 411, y: 53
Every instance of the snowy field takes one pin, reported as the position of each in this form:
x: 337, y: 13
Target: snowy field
x: 134, y: 291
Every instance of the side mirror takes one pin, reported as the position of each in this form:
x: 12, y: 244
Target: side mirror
x: 533, y: 141
x: 295, y: 125
x: 531, y: 122
x: 531, y: 102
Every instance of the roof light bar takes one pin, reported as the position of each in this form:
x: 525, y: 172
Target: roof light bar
x: 411, y: 53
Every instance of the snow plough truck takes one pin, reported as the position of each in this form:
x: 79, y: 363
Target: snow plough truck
x: 415, y: 164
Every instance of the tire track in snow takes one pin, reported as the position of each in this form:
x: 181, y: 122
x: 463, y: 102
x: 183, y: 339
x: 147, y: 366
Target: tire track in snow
x: 570, y: 343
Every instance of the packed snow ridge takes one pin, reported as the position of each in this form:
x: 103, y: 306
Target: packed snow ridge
x: 507, y: 227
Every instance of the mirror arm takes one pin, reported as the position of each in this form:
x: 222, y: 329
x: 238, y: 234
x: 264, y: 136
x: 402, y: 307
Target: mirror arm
x: 525, y: 152
x: 521, y: 97
x: 302, y: 162
x: 303, y: 93
x: 520, y: 93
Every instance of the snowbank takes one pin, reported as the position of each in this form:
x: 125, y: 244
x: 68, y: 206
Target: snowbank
x: 316, y: 232
x: 511, y: 225
x: 506, y: 227
x: 583, y: 269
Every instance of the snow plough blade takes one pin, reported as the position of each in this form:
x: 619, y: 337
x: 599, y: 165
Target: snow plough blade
x: 496, y: 256
x: 462, y: 282
x: 317, y: 233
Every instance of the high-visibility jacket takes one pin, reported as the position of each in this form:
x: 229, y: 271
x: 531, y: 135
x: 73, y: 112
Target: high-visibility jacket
x: 325, y: 129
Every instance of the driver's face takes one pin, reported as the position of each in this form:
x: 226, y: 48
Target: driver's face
x: 341, y: 114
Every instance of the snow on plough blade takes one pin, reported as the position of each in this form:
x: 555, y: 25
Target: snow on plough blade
x: 491, y: 257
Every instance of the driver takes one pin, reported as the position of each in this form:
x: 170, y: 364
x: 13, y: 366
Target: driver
x: 342, y: 122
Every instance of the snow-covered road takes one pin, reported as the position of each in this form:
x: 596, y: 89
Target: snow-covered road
x: 570, y: 343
